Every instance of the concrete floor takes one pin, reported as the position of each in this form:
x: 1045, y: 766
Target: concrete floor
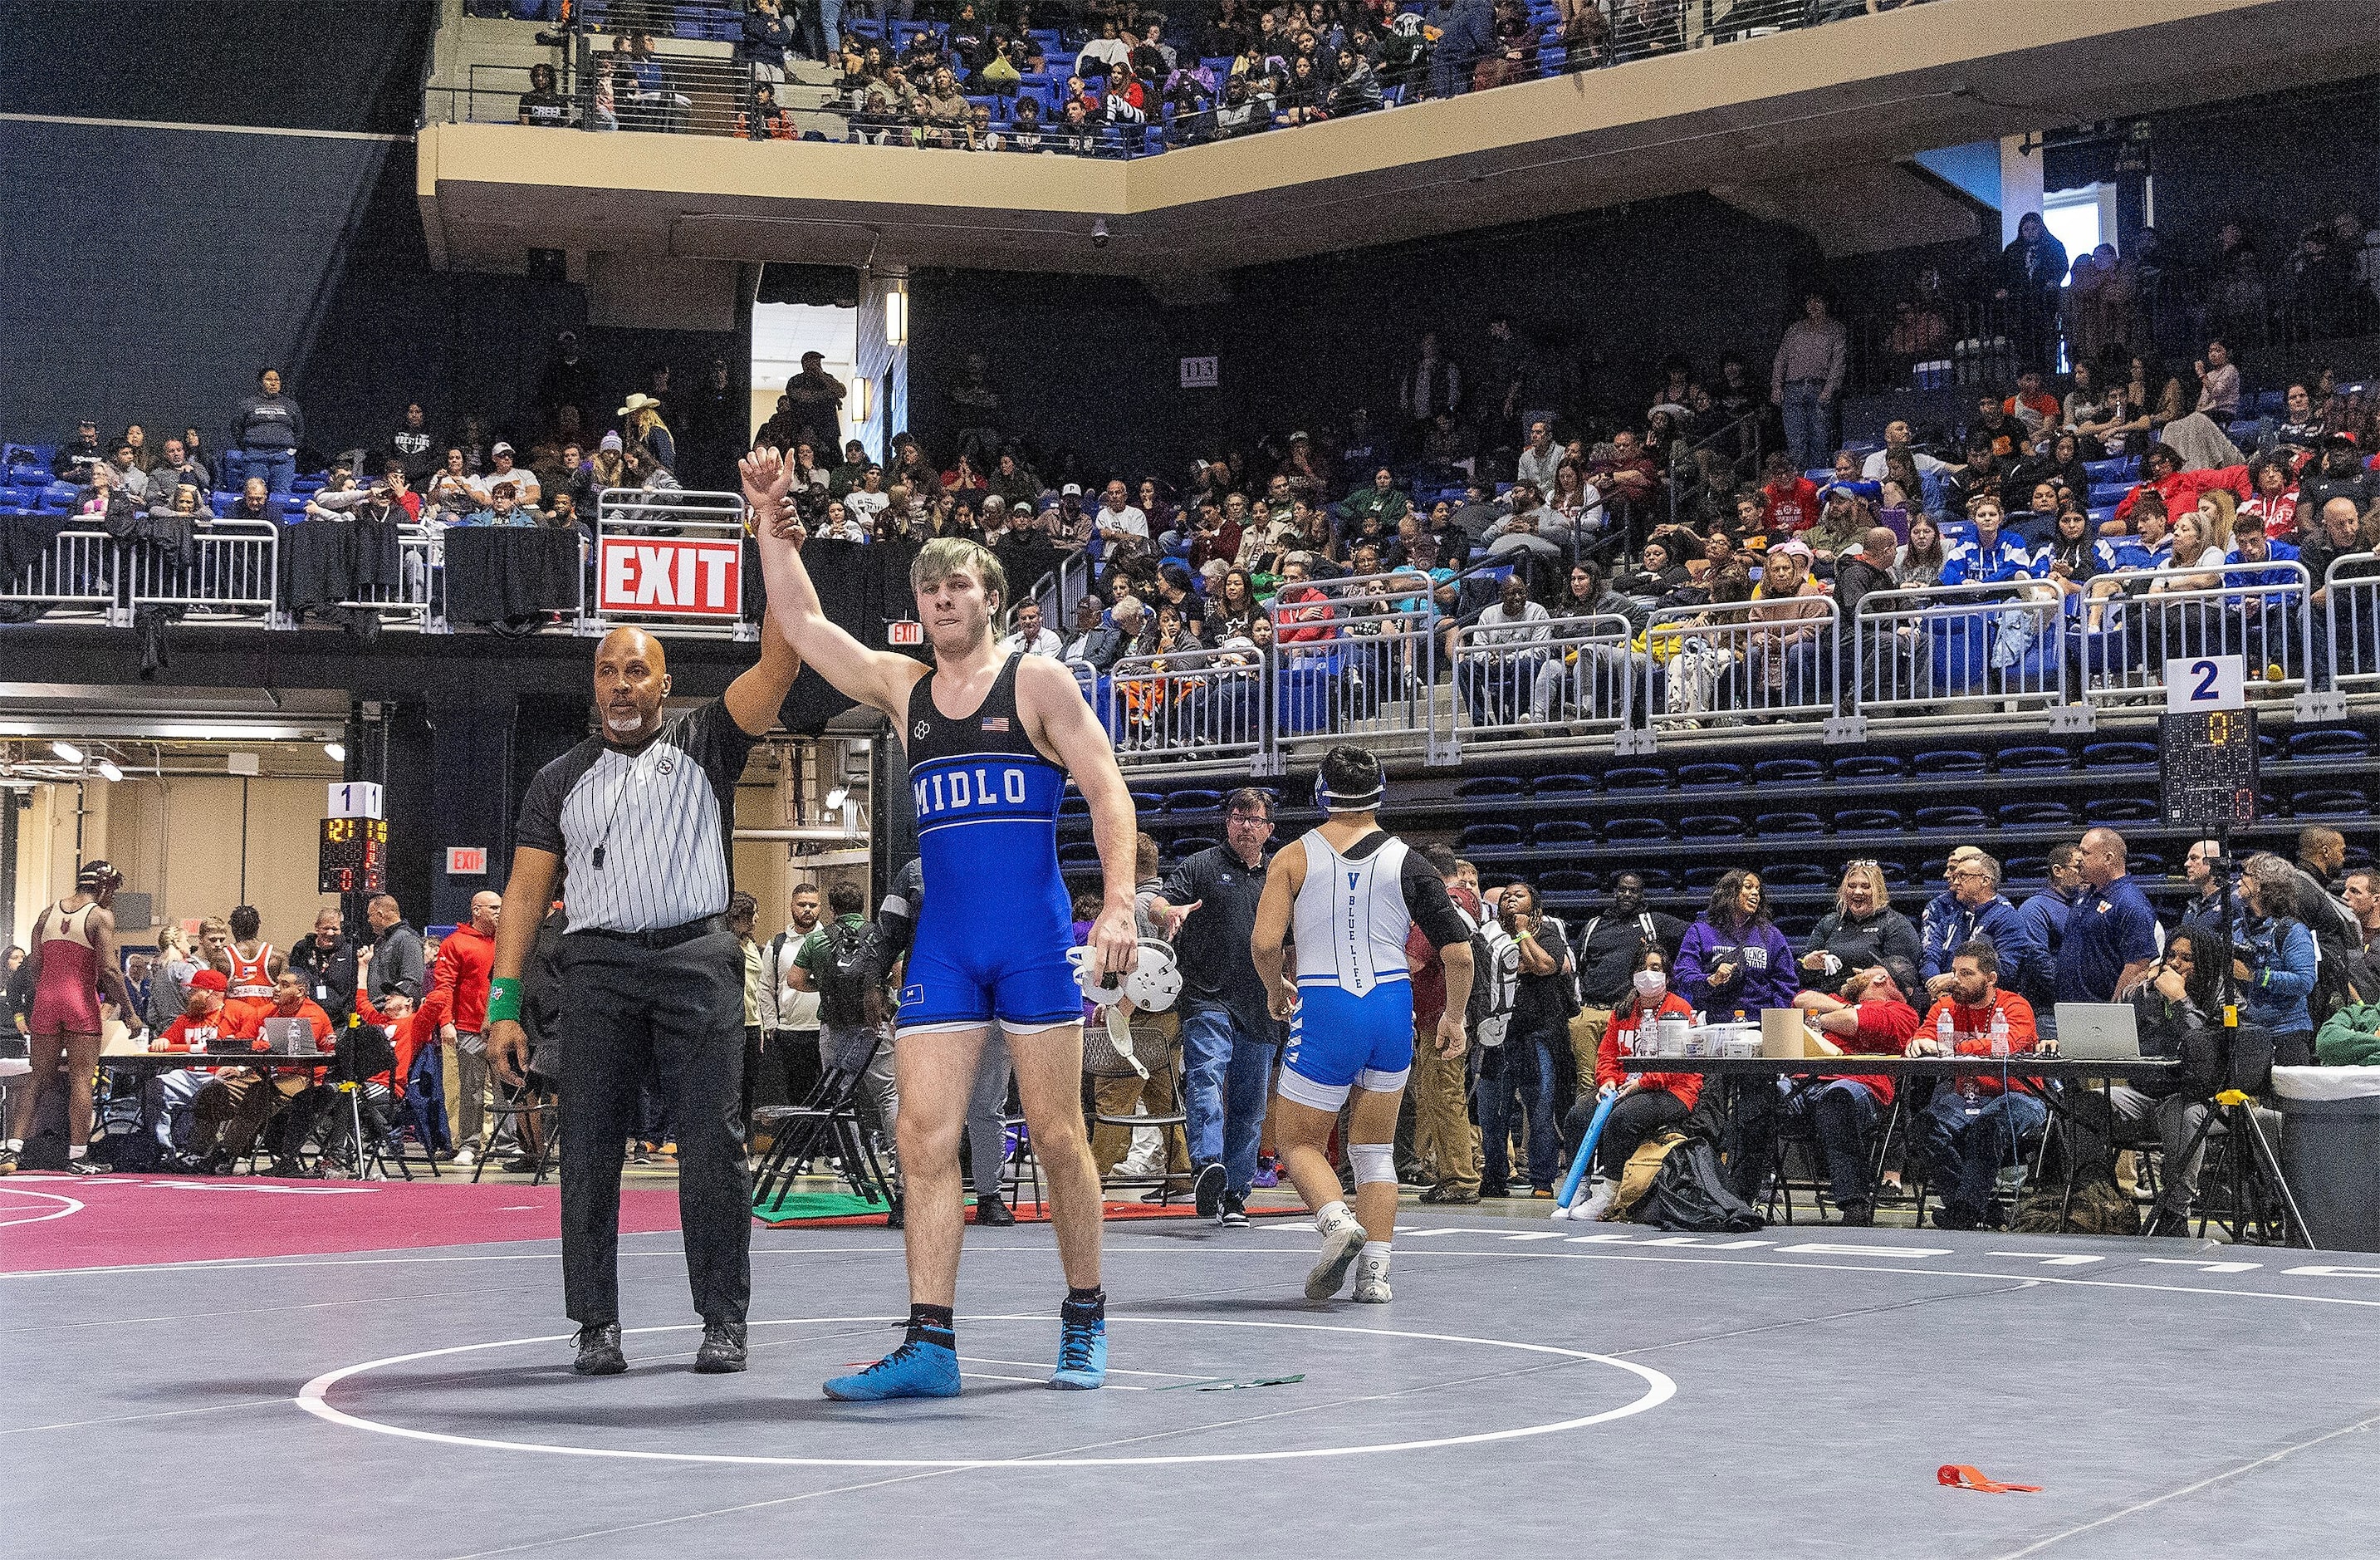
x: 1787, y: 1394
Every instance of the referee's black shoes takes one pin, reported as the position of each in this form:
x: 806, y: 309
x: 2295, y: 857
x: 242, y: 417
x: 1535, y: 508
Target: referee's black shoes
x: 599, y: 1350
x: 989, y: 1209
x: 722, y: 1349
x: 1208, y: 1188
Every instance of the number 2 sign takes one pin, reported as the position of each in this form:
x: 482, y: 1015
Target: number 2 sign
x: 2195, y: 684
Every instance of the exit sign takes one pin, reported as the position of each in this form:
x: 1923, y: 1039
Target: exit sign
x: 905, y: 633
x: 467, y: 861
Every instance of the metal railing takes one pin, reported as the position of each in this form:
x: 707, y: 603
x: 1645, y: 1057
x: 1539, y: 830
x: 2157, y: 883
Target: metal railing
x: 1357, y: 657
x: 1571, y: 680
x: 674, y: 559
x: 232, y: 569
x: 1957, y: 653
x: 2345, y: 625
x: 408, y: 600
x: 2257, y: 610
x: 1743, y: 664
x: 78, y: 573
x: 1205, y: 705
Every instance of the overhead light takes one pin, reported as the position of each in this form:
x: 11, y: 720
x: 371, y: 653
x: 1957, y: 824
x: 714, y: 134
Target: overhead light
x: 67, y: 751
x: 836, y: 797
x: 338, y: 751
x: 107, y: 769
x: 863, y: 395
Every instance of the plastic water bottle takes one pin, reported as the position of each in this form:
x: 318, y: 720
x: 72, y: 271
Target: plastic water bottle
x: 2000, y: 1032
x: 1944, y: 1035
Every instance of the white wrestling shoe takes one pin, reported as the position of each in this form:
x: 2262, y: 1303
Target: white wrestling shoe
x: 1372, y: 1280
x: 1342, y: 1242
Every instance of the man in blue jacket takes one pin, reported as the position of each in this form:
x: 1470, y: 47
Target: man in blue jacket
x: 1972, y: 907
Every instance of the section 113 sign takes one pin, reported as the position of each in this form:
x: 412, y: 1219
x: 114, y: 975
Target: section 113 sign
x: 1201, y: 373
x: 670, y: 577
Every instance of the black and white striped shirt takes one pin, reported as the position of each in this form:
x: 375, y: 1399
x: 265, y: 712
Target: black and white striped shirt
x: 662, y: 816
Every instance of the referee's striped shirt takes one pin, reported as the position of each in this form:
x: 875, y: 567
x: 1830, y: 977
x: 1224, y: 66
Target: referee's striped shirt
x: 663, y: 816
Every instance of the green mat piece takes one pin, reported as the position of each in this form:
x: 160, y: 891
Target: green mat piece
x: 816, y: 1205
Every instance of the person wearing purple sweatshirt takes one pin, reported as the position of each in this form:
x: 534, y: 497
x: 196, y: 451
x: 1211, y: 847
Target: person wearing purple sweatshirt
x: 1733, y: 958
x: 267, y: 430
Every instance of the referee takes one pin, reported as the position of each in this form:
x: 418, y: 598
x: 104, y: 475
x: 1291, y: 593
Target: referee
x: 641, y: 818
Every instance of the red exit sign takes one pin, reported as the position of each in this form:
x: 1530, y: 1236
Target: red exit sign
x: 467, y: 861
x: 907, y: 633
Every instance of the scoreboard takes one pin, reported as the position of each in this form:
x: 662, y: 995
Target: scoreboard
x: 2209, y: 767
x: 354, y: 856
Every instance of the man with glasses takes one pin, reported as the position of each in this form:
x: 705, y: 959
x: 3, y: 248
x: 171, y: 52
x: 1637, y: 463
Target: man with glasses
x: 1973, y: 907
x: 1208, y: 908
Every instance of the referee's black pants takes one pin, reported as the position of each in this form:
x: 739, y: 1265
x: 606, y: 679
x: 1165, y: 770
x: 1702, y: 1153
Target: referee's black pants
x: 682, y: 1008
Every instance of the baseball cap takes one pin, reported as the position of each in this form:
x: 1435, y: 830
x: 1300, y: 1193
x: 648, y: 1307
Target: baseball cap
x: 1071, y: 489
x: 1301, y: 437
x: 208, y: 980
x: 501, y: 448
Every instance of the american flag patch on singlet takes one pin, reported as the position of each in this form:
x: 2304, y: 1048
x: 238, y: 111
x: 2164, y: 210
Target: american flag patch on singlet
x: 995, y: 723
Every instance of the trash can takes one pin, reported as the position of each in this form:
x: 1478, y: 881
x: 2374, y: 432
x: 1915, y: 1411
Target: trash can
x: 2330, y: 1151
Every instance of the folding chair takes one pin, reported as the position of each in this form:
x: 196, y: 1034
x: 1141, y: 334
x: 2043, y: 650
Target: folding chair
x: 1102, y: 1060
x: 534, y: 1104
x: 829, y: 1117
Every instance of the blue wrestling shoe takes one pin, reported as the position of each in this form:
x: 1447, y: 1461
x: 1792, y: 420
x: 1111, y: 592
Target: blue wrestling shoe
x: 923, y: 1367
x: 1082, y: 1353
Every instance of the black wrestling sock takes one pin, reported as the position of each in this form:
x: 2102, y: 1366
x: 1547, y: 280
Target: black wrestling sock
x: 1085, y: 1305
x: 932, y: 1324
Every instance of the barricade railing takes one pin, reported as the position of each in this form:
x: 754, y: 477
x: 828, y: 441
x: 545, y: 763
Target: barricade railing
x: 1357, y: 657
x: 1565, y: 682
x: 675, y: 558
x: 407, y: 600
x: 1715, y: 668
x: 76, y: 573
x: 1957, y: 653
x: 2258, y: 611
x: 2346, y: 626
x: 231, y: 568
x: 1193, y: 707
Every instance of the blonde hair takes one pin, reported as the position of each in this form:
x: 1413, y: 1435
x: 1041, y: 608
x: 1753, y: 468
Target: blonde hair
x: 1875, y: 876
x: 171, y: 940
x: 946, y: 555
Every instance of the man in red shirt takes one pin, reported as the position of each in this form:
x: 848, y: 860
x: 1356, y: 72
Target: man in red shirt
x: 1871, y: 1016
x: 460, y: 975
x: 1306, y: 624
x: 233, y: 1107
x: 1788, y: 501
x: 1979, y: 1122
x: 201, y: 1025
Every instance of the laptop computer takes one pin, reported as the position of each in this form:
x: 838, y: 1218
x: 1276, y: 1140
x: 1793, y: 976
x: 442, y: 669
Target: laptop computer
x: 289, y: 1037
x: 2099, y: 1031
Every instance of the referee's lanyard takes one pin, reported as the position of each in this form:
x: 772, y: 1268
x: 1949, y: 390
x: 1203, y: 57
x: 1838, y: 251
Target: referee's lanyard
x: 627, y: 780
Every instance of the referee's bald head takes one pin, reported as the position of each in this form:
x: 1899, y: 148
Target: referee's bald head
x: 631, y: 680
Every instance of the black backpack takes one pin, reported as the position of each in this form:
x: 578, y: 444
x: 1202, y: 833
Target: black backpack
x: 1690, y: 1193
x: 851, y: 985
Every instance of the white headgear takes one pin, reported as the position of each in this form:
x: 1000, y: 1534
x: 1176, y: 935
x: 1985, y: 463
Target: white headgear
x: 1153, y: 982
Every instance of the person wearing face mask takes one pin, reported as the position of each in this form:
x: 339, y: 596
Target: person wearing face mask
x: 1861, y: 933
x: 1643, y: 1104
x: 1610, y: 946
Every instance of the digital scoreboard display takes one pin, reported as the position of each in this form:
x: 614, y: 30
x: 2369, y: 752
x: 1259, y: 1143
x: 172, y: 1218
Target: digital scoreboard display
x: 2209, y: 767
x: 354, y: 856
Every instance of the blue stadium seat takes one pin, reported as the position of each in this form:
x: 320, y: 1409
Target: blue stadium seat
x: 1896, y: 873
x: 2034, y: 758
x: 2035, y: 815
x: 2327, y: 799
x: 1870, y: 766
x: 2100, y: 515
x: 1635, y: 777
x: 2120, y: 810
x: 1562, y: 784
x: 1951, y: 819
x: 1490, y: 787
x: 1078, y: 853
x: 1788, y: 772
x: 1193, y: 800
x: 1796, y: 875
x: 1074, y: 804
x: 1630, y: 830
x: 1948, y: 761
x: 1148, y: 801
x: 1568, y: 881
x: 2109, y: 492
x: 2118, y: 755
x: 2329, y: 742
x: 2272, y: 403
x: 1710, y: 825
x: 2025, y: 869
x: 1703, y: 775
x: 1769, y: 824
x: 1869, y: 819
x: 1189, y: 845
x: 1701, y: 880
x: 1489, y: 837
x: 2108, y: 471
x: 1564, y: 831
x: 2145, y: 863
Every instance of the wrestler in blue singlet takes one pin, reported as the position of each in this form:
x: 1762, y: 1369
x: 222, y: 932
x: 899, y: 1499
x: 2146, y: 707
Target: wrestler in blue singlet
x: 992, y: 940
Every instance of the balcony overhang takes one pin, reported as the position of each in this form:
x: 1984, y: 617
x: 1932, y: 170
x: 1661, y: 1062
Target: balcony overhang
x: 1864, y: 91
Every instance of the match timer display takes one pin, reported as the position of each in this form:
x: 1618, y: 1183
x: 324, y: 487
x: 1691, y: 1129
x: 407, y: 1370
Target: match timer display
x: 354, y: 856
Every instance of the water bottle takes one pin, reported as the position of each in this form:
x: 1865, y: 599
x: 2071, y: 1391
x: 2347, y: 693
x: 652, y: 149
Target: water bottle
x: 1944, y: 1035
x: 1999, y: 1034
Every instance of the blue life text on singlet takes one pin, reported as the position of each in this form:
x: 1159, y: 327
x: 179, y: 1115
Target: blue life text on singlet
x: 993, y: 935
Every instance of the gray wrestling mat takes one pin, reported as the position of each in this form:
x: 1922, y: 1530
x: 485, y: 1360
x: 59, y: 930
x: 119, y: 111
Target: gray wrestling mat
x: 1535, y: 1389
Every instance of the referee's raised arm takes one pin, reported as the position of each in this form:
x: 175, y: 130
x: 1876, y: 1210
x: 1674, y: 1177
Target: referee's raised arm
x: 877, y: 678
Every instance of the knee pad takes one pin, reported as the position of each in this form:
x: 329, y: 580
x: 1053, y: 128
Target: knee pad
x: 1373, y: 1161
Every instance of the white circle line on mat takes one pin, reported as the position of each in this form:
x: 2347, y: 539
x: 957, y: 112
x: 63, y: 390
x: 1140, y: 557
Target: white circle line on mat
x: 71, y: 1206
x: 314, y: 1398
